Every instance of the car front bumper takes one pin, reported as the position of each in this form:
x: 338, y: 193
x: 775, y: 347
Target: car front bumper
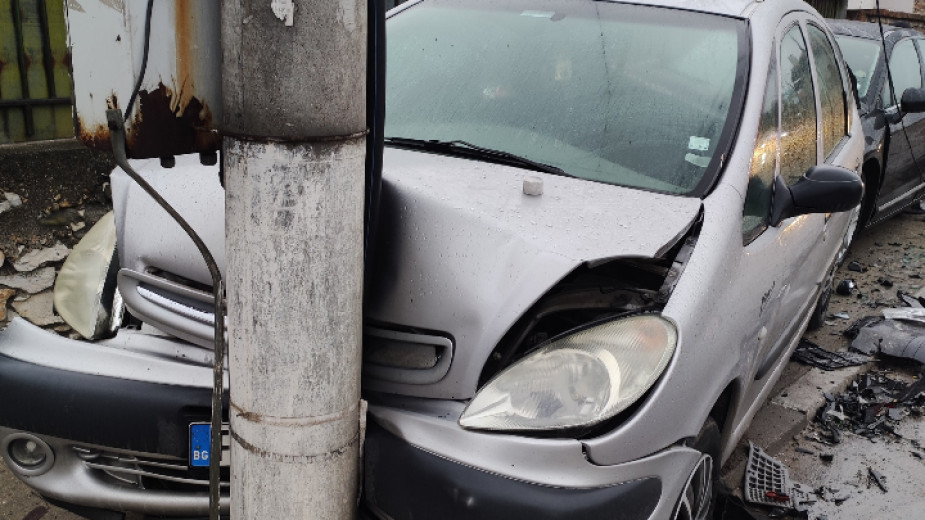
x: 114, y: 414
x: 418, y: 463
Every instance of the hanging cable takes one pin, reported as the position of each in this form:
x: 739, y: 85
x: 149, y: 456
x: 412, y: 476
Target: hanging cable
x: 117, y: 133
x: 144, y: 61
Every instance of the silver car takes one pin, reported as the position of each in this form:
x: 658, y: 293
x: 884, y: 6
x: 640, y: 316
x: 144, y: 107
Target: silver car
x: 603, y: 229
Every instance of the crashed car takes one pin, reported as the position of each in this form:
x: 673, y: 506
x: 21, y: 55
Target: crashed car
x: 603, y: 228
x: 894, y: 152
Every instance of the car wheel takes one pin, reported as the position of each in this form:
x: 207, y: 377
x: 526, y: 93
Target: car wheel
x: 699, y: 495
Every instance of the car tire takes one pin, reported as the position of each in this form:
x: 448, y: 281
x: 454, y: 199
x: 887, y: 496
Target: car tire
x: 698, y: 498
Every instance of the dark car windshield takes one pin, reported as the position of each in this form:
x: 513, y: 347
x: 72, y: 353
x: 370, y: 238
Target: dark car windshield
x: 622, y: 94
x: 862, y: 56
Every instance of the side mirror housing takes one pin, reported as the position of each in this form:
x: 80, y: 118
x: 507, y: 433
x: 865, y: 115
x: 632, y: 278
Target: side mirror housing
x: 913, y: 101
x: 823, y: 189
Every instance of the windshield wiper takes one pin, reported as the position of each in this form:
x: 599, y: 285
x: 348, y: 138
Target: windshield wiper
x: 467, y: 149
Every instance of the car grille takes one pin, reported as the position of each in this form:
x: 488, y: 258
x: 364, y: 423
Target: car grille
x: 147, y: 471
x: 171, y: 303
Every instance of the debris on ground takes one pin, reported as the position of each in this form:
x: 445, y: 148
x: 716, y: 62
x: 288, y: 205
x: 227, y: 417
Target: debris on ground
x: 893, y: 337
x: 810, y: 353
x: 877, y: 478
x: 767, y: 483
x: 871, y: 406
x: 852, y: 331
x: 856, y: 267
x: 845, y: 287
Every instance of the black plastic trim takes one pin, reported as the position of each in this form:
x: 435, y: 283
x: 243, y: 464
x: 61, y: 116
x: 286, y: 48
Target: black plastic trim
x: 405, y: 482
x: 85, y: 408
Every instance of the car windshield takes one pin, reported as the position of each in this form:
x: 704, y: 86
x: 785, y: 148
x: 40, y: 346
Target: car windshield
x: 630, y: 95
x: 861, y: 55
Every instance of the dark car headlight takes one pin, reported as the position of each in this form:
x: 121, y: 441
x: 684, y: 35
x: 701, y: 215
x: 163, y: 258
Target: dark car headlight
x: 577, y: 380
x: 85, y: 294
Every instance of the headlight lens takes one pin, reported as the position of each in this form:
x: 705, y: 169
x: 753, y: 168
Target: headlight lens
x: 577, y: 380
x: 85, y: 292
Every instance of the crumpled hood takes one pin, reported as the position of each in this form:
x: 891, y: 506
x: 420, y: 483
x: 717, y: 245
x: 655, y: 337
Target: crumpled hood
x: 460, y: 249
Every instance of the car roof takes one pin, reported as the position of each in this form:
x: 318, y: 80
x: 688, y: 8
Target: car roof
x: 868, y: 30
x: 724, y: 7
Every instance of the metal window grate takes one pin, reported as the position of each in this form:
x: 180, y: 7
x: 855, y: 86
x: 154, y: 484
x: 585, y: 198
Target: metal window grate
x: 35, y: 85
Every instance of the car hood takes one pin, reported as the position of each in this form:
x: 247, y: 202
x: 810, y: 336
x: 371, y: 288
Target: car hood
x: 460, y: 249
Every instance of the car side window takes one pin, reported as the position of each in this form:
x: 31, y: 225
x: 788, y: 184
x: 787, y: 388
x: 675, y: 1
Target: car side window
x: 831, y: 91
x: 906, y: 71
x: 798, y: 108
x: 764, y: 164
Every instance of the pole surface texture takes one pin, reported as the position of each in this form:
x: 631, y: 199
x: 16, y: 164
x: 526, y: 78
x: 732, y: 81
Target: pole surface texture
x: 294, y: 76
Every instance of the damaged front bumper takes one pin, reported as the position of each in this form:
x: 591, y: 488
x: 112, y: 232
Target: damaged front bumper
x: 114, y: 415
x: 418, y: 463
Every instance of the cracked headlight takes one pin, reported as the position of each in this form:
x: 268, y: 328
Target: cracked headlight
x: 579, y: 379
x: 85, y: 290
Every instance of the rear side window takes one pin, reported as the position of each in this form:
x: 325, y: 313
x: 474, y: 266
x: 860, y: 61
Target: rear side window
x: 831, y: 90
x: 906, y: 71
x: 798, y: 108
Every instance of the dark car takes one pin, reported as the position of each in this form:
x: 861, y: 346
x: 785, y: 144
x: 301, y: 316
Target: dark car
x: 894, y: 125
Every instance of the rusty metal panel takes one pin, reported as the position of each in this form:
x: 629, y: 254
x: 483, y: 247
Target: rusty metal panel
x: 180, y: 95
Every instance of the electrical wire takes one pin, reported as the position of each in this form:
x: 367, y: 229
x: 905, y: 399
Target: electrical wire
x: 118, y: 139
x: 144, y: 61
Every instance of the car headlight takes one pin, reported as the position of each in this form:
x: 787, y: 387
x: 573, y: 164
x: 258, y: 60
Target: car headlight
x: 85, y: 290
x: 576, y: 380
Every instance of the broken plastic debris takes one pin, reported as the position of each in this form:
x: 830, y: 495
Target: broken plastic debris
x: 893, y: 338
x: 877, y: 478
x: 768, y: 483
x: 841, y: 316
x: 845, y: 287
x: 856, y: 267
x: 905, y: 313
x: 866, y: 321
x: 810, y: 353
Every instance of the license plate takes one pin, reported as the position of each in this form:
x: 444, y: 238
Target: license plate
x: 200, y: 438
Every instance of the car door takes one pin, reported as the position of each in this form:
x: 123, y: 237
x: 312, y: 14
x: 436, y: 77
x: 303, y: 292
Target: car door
x: 804, y: 123
x: 902, y: 177
x: 915, y: 123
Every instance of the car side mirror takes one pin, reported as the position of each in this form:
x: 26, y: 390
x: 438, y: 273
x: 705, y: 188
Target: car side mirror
x: 913, y: 101
x: 823, y: 189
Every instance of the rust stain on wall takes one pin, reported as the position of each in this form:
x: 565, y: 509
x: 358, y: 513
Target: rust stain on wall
x: 184, y: 24
x: 164, y: 125
x: 95, y: 135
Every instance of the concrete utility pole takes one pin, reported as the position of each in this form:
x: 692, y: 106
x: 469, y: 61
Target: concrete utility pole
x: 294, y: 77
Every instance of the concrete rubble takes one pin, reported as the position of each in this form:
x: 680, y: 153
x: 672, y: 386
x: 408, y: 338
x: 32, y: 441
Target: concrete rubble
x: 39, y: 309
x: 38, y: 257
x: 32, y: 283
